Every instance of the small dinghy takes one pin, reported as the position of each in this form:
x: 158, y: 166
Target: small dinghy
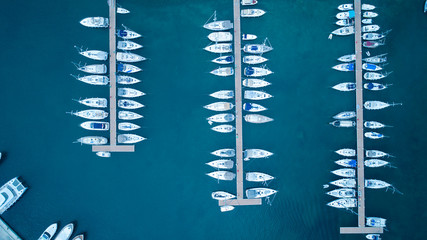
x: 129, y: 104
x: 373, y: 125
x: 95, y: 22
x: 377, y: 105
x: 345, y: 22
x: 373, y: 163
x: 129, y: 138
x: 218, y: 25
x: 345, y: 87
x: 129, y: 57
x: 225, y: 152
x: 258, y: 177
x: 259, y: 192
x: 219, y: 106
x: 257, y: 71
x: 257, y: 118
x: 345, y: 115
x: 370, y: 28
x: 344, y: 31
x: 122, y: 10
x: 342, y: 193
x: 226, y: 208
x: 248, y: 2
x: 103, y: 154
x: 343, y: 203
x: 224, y: 128
x: 247, y: 37
x: 347, y: 162
x: 127, y: 115
x: 367, y: 21
x: 370, y: 14
x: 223, y: 71
x: 374, y: 135
x: 93, y: 69
x: 347, y: 58
x: 376, y: 154
x: 374, y: 44
x: 256, y: 153
x: 251, y: 13
x: 371, y: 67
x: 375, y: 76
x: 219, y: 48
x: 94, y: 102
x: 221, y: 118
x: 128, y: 45
x: 254, y: 59
x: 343, y: 123
x: 93, y: 114
x: 127, y: 34
x: 345, y: 7
x: 373, y: 237
x: 376, y: 222
x: 345, y: 15
x: 345, y: 183
x: 376, y: 184
x: 93, y: 54
x: 223, y: 94
x: 253, y: 107
x: 127, y: 68
x: 376, y: 59
x: 221, y: 195
x: 256, y: 95
x: 222, y: 175
x: 346, y: 152
x: 255, y: 83
x: 93, y: 79
x: 92, y: 140
x: 345, y: 172
x: 94, y: 125
x: 220, y: 37
x: 344, y: 67
x: 129, y: 93
x: 127, y: 80
x: 375, y: 86
x: 221, y: 164
x: 224, y: 59
x: 126, y: 126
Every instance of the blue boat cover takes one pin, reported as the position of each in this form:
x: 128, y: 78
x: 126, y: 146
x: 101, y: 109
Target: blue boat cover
x: 253, y: 48
x: 370, y: 66
x: 370, y: 86
x: 122, y: 33
x: 98, y: 125
x: 248, y: 106
x: 351, y: 14
x: 351, y: 86
x: 350, y: 67
x: 229, y: 59
x: 352, y: 163
x: 249, y: 70
x: 120, y: 67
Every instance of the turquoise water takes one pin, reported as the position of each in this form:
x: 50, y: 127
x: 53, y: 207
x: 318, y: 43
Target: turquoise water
x: 161, y: 191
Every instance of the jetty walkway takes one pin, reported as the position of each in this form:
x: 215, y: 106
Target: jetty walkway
x: 113, y: 147
x: 6, y: 233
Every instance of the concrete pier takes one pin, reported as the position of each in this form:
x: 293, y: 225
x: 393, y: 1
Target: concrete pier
x: 6, y: 233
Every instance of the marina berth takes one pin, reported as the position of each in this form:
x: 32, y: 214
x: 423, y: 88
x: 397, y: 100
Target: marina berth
x: 127, y: 80
x: 126, y: 115
x: 223, y: 71
x: 222, y: 175
x: 343, y: 203
x: 257, y: 118
x: 93, y: 69
x: 95, y: 22
x: 345, y: 183
x: 93, y: 54
x: 94, y: 102
x: 223, y: 94
x: 345, y: 87
x: 376, y: 184
x: 129, y: 57
x: 128, y: 45
x: 342, y: 193
x: 373, y: 163
x: 121, y: 10
x: 224, y: 128
x: 49, y: 232
x: 255, y: 83
x: 249, y: 2
x: 345, y: 172
x: 65, y: 232
x: 373, y: 124
x: 344, y: 67
x: 254, y: 59
x: 256, y: 95
x: 127, y: 126
x: 219, y: 106
x: 374, y: 44
x: 220, y: 37
x: 226, y: 152
x: 221, y: 164
x: 376, y: 59
x: 92, y: 140
x: 370, y: 14
x: 347, y: 162
x: 343, y: 123
x: 257, y: 72
x: 93, y: 79
x: 258, y: 177
x: 10, y: 192
x: 345, y: 15
x: 370, y: 28
x: 377, y: 105
x: 376, y: 222
x: 129, y: 104
x: 256, y: 153
x: 346, y: 152
x: 257, y: 48
x: 375, y: 86
x: 219, y: 48
x: 259, y: 192
x: 93, y: 114
x: 251, y: 12
x: 344, y: 31
x: 221, y: 195
x: 221, y: 118
x: 103, y: 154
x: 345, y: 115
x: 127, y: 68
x: 129, y: 138
x: 345, y: 22
x: 247, y: 37
x: 127, y: 34
x: 224, y: 59
x: 371, y: 67
x: 79, y: 237
x: 218, y: 25
x: 94, y: 125
x: 129, y: 92
x: 376, y: 154
x: 253, y: 107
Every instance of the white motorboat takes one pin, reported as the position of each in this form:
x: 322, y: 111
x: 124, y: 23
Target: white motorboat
x: 129, y: 104
x: 78, y: 237
x: 376, y: 222
x: 373, y: 124
x: 220, y: 37
x: 225, y: 152
x: 93, y: 69
x: 342, y: 193
x: 221, y: 195
x: 129, y: 138
x: 255, y: 83
x: 223, y: 128
x: 256, y: 95
x: 372, y: 36
x: 376, y: 59
x: 375, y: 86
x: 226, y: 208
x: 375, y: 163
x: 223, y: 71
x: 222, y: 175
x: 343, y: 203
x: 221, y: 164
x: 95, y: 22
x: 374, y: 44
x: 254, y: 59
x: 367, y: 7
x: 103, y: 154
x: 345, y: 15
x: 253, y: 107
x: 219, y: 106
x: 247, y: 37
x: 259, y: 192
x: 127, y: 68
x: 127, y: 126
x: 219, y: 48
x: 129, y: 57
x: 257, y: 118
x: 248, y: 2
x: 345, y: 87
x: 218, y: 25
x: 128, y: 45
x: 346, y: 152
x: 49, y: 232
x: 344, y: 31
x: 252, y: 12
x: 371, y: 67
x: 93, y: 54
x: 93, y: 79
x: 375, y: 76
x: 374, y: 135
x: 258, y: 177
x: 375, y: 154
x: 256, y: 153
x: 376, y: 184
x: 347, y: 58
x: 129, y: 92
x: 127, y: 80
x: 121, y: 10
x: 94, y: 125
x: 370, y: 14
x: 367, y: 21
x: 92, y: 140
x: 223, y: 94
x: 127, y: 34
x: 224, y: 59
x: 126, y: 115
x: 344, y: 67
x: 257, y: 71
x: 257, y: 48
x: 345, y: 7
x: 345, y: 22
x: 221, y: 118
x: 345, y: 172
x: 93, y: 114
x: 345, y: 183
x: 345, y: 115
x: 377, y: 105
x: 343, y: 123
x: 94, y: 102
x: 10, y: 192
x: 373, y: 236
x: 65, y: 232
x: 347, y: 162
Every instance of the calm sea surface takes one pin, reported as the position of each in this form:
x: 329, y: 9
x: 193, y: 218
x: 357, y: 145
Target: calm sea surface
x: 161, y: 191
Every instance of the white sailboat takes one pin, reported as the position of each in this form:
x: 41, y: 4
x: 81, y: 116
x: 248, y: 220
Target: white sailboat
x: 127, y: 34
x: 127, y: 68
x: 221, y: 118
x: 252, y: 12
x: 92, y: 140
x: 259, y: 192
x: 342, y: 193
x: 129, y: 57
x: 225, y: 152
x: 344, y: 67
x: 121, y: 10
x: 253, y: 107
x: 221, y: 164
x: 258, y: 48
x: 223, y: 71
x: 223, y: 94
x: 218, y: 25
x: 345, y: 115
x: 373, y: 163
x: 347, y: 58
x: 345, y: 87
x: 346, y: 152
x: 344, y: 31
x: 345, y: 183
x: 129, y: 92
x: 95, y: 125
x: 257, y: 71
x: 127, y: 80
x: 65, y: 232
x: 258, y: 177
x: 248, y: 2
x: 93, y: 114
x: 93, y: 79
x: 370, y: 14
x: 257, y: 118
x: 376, y: 222
x: 371, y: 67
x: 129, y: 138
x: 255, y: 83
x: 343, y: 203
x: 129, y: 104
x: 374, y: 135
x: 219, y: 106
x: 376, y: 59
x: 247, y: 37
x: 377, y: 105
x: 256, y: 95
x: 127, y: 126
x: 93, y: 54
x: 222, y: 175
x: 374, y: 44
x: 375, y: 76
x: 254, y: 59
x: 49, y: 232
x: 220, y: 37
x: 345, y: 7
x: 221, y: 195
x: 223, y: 128
x: 343, y: 123
x: 370, y: 28
x: 127, y: 115
x: 375, y: 86
x: 376, y: 184
x: 92, y: 69
x: 224, y: 59
x: 95, y: 22
x: 128, y: 45
x: 373, y: 124
x: 94, y: 102
x: 103, y: 154
x: 376, y: 154
x: 219, y: 48
x: 256, y: 153
x: 345, y: 172
x: 347, y: 162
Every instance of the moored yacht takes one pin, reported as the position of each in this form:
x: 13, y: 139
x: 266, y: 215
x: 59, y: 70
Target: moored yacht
x: 256, y: 153
x: 93, y: 54
x: 251, y: 12
x: 254, y: 59
x: 345, y: 7
x: 65, y: 232
x: 342, y: 193
x: 246, y: 37
x: 345, y: 15
x: 93, y: 114
x: 128, y: 34
x: 377, y: 105
x: 129, y: 138
x: 221, y: 195
x: 345, y: 115
x: 376, y: 59
x: 10, y: 193
x: 376, y: 184
x: 93, y: 79
x: 372, y: 36
x: 220, y: 37
x: 375, y: 86
x: 253, y: 107
x: 248, y: 2
x: 94, y: 125
x: 370, y: 14
x: 257, y: 118
x: 94, y: 102
x: 343, y: 203
x: 374, y: 135
x: 93, y: 69
x: 367, y: 21
x: 224, y: 59
x: 122, y: 10
x: 219, y: 48
x: 376, y: 154
x: 255, y: 83
x: 258, y: 177
x: 256, y: 95
x: 347, y: 162
x: 257, y: 48
x: 127, y: 68
x: 373, y: 163
x: 344, y: 67
x: 343, y: 123
x: 129, y: 104
x: 218, y: 25
x: 225, y: 152
x: 345, y: 183
x: 345, y: 172
x: 257, y: 71
x: 219, y: 106
x: 346, y: 152
x: 49, y: 232
x: 127, y: 80
x: 373, y: 236
x: 223, y: 94
x: 127, y: 126
x: 129, y: 92
x: 374, y: 44
x: 375, y: 222
x: 127, y: 115
x: 223, y: 128
x: 221, y: 164
x: 373, y: 124
x: 345, y: 87
x: 344, y: 31
x: 95, y: 22
x: 370, y: 28
x: 347, y: 58
x: 129, y: 57
x: 259, y: 192
x: 103, y: 154
x: 345, y: 22
x: 92, y: 140
x: 367, y: 7
x: 371, y: 67
x: 128, y: 45
x: 223, y: 71
x: 222, y: 175
x: 221, y: 118
x: 374, y: 76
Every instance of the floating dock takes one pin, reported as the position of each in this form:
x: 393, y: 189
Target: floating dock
x: 113, y: 147
x: 6, y: 233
